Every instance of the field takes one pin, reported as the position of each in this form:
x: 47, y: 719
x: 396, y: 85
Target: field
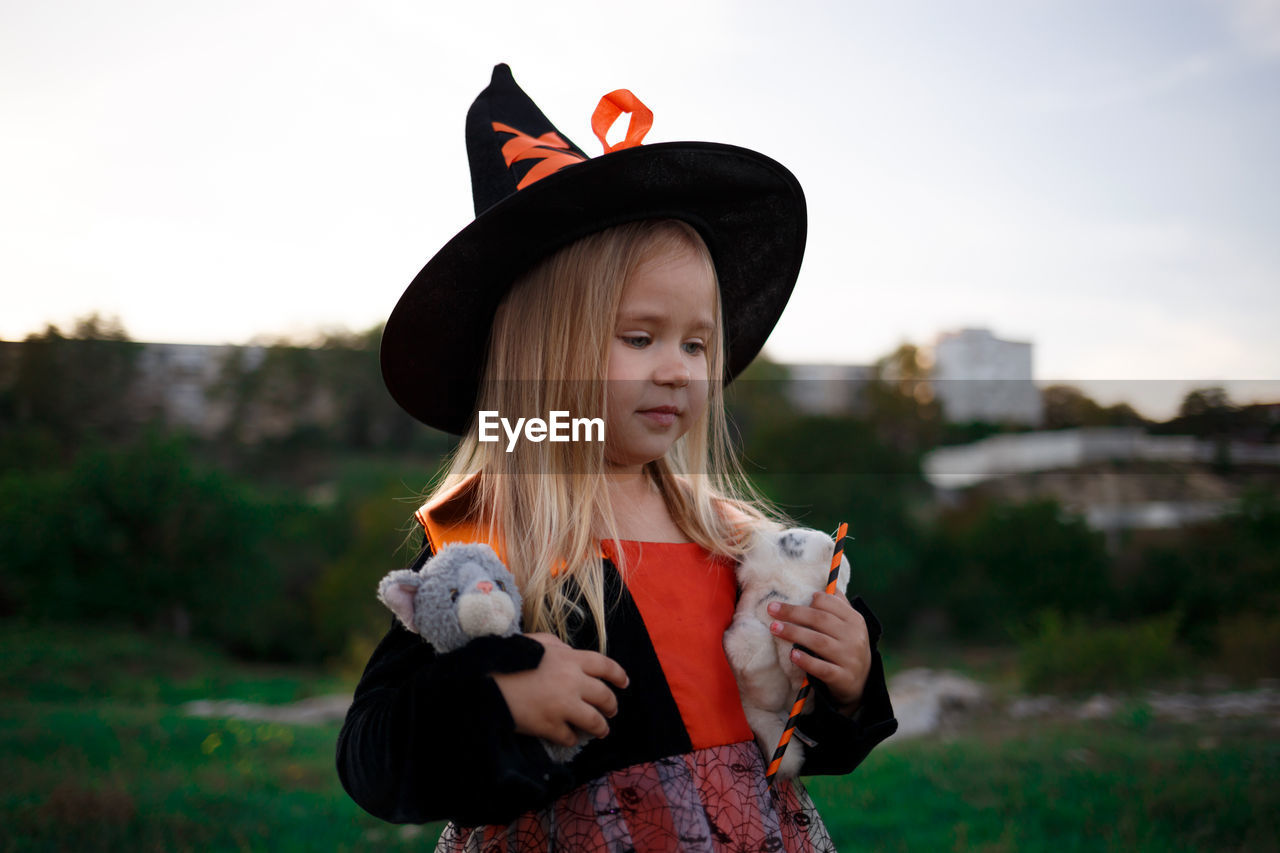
x: 97, y: 754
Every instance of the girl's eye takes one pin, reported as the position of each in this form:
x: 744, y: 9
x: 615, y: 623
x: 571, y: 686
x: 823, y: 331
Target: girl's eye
x: 637, y: 341
x: 694, y: 347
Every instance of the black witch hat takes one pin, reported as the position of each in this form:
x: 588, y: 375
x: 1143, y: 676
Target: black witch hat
x: 536, y: 192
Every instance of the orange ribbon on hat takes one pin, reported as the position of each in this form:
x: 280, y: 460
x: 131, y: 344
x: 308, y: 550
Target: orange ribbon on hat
x: 612, y: 106
x: 551, y: 152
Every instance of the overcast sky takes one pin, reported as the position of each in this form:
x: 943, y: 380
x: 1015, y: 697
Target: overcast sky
x: 1098, y: 178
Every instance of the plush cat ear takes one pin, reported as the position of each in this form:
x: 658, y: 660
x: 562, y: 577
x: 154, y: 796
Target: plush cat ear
x: 397, y: 591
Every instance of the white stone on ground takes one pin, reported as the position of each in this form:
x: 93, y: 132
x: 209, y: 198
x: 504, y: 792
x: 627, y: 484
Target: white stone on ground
x: 314, y: 711
x: 924, y: 698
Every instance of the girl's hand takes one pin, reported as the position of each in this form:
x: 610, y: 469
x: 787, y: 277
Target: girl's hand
x: 836, y: 634
x: 565, y: 695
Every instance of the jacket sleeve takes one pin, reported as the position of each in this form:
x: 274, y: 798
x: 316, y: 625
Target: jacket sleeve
x: 430, y: 736
x: 836, y: 743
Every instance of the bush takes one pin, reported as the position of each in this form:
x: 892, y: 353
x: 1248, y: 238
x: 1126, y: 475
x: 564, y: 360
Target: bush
x: 142, y: 534
x: 1249, y: 645
x: 991, y: 567
x: 825, y: 470
x: 1211, y: 572
x: 375, y: 519
x: 1075, y: 655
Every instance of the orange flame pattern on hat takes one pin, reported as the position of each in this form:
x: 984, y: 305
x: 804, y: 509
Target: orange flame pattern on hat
x: 549, y: 149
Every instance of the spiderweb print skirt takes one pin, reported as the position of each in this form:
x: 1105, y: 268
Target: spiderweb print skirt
x: 707, y: 800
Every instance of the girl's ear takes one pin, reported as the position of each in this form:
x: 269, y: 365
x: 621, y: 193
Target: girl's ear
x: 397, y: 591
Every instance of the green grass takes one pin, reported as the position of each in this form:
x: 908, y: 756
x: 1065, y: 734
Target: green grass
x: 66, y: 664
x: 1063, y: 788
x: 97, y: 755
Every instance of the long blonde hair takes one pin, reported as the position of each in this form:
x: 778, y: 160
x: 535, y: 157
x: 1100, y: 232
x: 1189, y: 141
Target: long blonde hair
x: 546, y: 506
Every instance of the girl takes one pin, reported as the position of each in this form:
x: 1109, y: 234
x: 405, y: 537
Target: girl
x: 626, y: 288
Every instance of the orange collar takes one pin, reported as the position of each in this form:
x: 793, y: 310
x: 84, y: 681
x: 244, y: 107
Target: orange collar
x: 448, y: 518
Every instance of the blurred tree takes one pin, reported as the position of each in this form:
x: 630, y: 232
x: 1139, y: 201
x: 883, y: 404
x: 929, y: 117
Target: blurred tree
x: 274, y: 393
x: 1208, y: 413
x: 328, y: 394
x: 77, y: 387
x: 367, y: 416
x: 757, y: 399
x: 899, y: 402
x: 27, y: 448
x: 1122, y: 414
x: 967, y: 432
x: 1066, y: 406
x: 1205, y: 401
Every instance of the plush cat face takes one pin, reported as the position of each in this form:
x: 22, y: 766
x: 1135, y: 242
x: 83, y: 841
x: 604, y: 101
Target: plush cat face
x: 798, y: 558
x: 463, y: 592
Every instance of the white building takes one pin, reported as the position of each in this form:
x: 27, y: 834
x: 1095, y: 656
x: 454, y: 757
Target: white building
x: 979, y: 377
x: 1109, y: 495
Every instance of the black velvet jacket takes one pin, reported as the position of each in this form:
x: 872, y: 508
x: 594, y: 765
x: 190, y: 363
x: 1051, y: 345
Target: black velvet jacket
x: 429, y: 736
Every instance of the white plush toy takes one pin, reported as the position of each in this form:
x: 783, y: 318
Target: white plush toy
x: 787, y: 566
x: 463, y: 592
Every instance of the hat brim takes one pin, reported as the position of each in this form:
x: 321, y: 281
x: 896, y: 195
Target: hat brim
x: 748, y: 208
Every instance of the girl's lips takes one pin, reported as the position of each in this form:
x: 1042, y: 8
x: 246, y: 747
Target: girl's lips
x: 660, y: 415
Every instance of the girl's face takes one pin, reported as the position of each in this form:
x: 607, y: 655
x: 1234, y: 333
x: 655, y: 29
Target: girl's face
x: 658, y: 360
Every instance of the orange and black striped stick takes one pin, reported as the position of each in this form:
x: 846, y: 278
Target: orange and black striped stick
x: 803, y: 694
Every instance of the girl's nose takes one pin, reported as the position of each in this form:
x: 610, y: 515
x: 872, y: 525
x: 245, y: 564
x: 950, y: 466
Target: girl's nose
x: 673, y: 371
x: 485, y: 587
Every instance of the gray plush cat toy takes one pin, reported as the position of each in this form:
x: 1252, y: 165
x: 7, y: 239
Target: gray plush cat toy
x: 463, y: 592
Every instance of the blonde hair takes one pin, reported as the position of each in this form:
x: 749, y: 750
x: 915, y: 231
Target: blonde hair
x: 546, y: 506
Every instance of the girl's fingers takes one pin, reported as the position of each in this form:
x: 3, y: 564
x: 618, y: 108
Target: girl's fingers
x: 836, y: 604
x: 835, y: 635
x: 587, y: 719
x: 842, y: 609
x: 569, y: 689
x: 830, y: 615
x: 827, y: 672
x: 823, y: 621
x: 564, y: 735
x: 845, y: 689
x: 601, y: 697
x: 820, y: 644
x: 599, y: 666
x: 814, y: 622
x: 593, y: 664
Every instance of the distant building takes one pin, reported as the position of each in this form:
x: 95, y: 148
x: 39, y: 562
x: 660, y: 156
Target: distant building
x: 1117, y: 477
x: 176, y: 384
x: 176, y: 380
x: 979, y: 377
x: 826, y: 389
x: 959, y: 467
